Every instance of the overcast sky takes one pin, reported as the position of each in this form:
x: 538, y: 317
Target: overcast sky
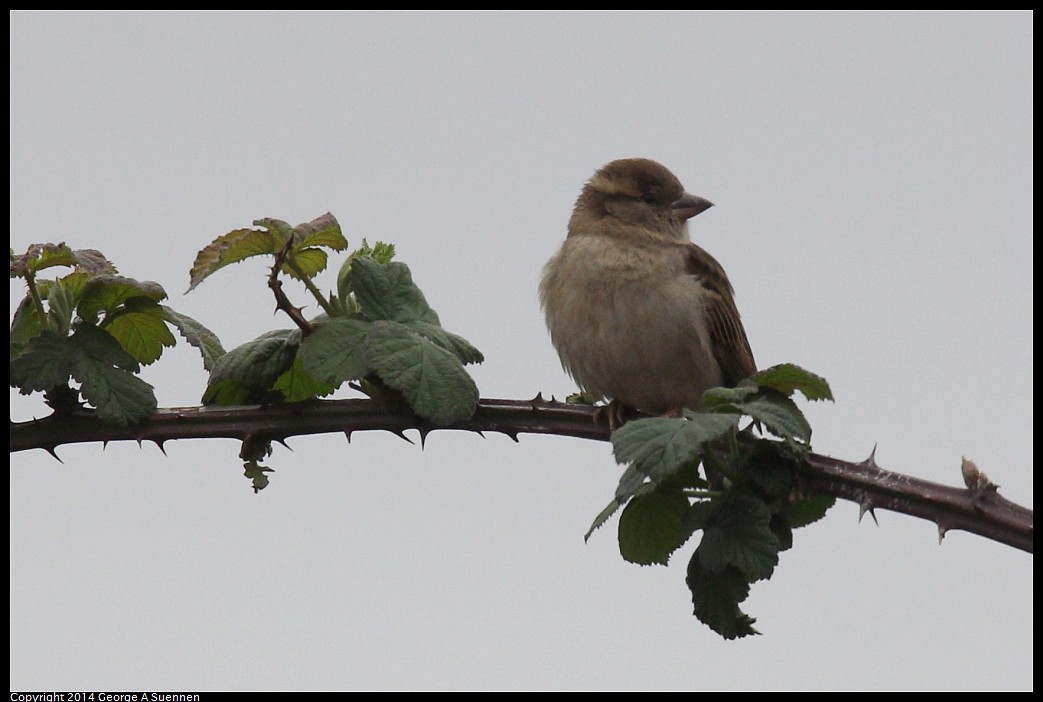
x: 873, y: 180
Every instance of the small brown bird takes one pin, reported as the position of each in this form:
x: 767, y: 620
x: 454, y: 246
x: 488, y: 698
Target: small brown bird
x: 637, y: 312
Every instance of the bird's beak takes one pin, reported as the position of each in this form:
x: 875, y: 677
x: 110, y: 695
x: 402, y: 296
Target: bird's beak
x: 688, y: 206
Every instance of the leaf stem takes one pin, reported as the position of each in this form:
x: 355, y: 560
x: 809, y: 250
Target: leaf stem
x: 312, y: 288
x: 34, y: 293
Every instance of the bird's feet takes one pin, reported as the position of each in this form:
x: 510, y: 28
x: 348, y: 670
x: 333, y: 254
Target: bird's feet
x: 614, y: 413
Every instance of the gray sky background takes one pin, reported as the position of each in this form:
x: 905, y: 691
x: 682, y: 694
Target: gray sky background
x: 873, y: 180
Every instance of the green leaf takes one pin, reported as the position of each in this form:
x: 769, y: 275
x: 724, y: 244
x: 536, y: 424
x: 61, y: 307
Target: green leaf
x: 306, y: 263
x: 771, y: 467
x: 780, y: 415
x: 334, y: 352
x: 737, y: 534
x: 649, y: 527
x: 93, y: 342
x: 276, y: 227
x: 456, y: 345
x: 787, y: 378
x: 25, y: 324
x: 432, y: 380
x: 45, y: 361
x: 246, y: 374
x: 629, y: 483
x: 387, y: 292
x: 603, y: 516
x: 321, y: 231
x: 141, y: 330
x: 237, y: 245
x: 197, y: 335
x: 120, y: 397
x: 63, y: 295
x: 810, y: 509
x: 107, y: 292
x: 782, y: 531
x: 40, y: 256
x: 381, y: 253
x: 727, y: 399
x: 659, y: 446
x: 716, y: 597
x: 257, y: 475
x: 297, y: 384
x: 104, y: 370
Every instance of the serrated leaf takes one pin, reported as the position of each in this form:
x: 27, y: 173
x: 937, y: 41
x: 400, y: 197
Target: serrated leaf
x: 297, y: 384
x: 432, y: 380
x: 788, y: 377
x: 636, y: 486
x: 716, y: 597
x: 649, y: 526
x: 723, y: 399
x: 629, y: 483
x: 603, y: 516
x: 387, y: 292
x: 456, y: 345
x: 196, y: 334
x: 40, y: 256
x: 321, y: 231
x: 782, y: 531
x: 92, y: 261
x: 105, y: 293
x: 120, y: 397
x: 26, y: 323
x: 281, y: 229
x: 45, y: 361
x: 771, y: 468
x: 780, y: 415
x: 381, y: 253
x: 696, y: 518
x: 659, y: 446
x: 257, y: 475
x: 63, y: 295
x: 106, y: 376
x: 306, y: 263
x: 246, y: 374
x: 237, y: 245
x: 92, y: 342
x: 142, y: 330
x: 334, y: 353
x: 808, y: 510
x: 737, y: 535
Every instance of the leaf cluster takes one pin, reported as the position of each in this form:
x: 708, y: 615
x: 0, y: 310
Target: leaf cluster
x: 87, y: 333
x: 699, y: 473
x: 377, y: 331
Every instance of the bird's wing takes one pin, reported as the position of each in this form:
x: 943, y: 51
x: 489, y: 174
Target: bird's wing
x: 731, y: 348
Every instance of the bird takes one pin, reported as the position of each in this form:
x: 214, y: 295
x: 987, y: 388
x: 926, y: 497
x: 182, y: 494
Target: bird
x: 638, y: 313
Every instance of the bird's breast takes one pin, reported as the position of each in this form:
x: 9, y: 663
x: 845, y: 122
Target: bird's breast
x: 629, y: 323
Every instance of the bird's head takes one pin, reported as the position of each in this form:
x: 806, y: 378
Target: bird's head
x: 640, y: 192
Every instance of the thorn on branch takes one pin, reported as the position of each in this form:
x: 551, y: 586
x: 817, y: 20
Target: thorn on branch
x: 871, y: 461
x: 402, y: 435
x: 865, y: 504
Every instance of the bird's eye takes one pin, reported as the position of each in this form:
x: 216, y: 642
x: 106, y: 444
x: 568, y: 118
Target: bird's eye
x: 648, y: 197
